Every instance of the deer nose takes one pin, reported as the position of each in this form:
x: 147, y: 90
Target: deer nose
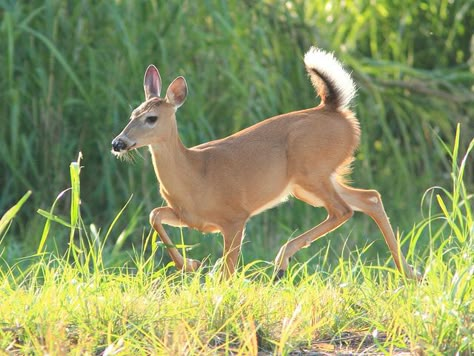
x: 118, y: 145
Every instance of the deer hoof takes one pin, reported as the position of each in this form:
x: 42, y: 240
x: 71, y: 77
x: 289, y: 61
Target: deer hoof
x: 279, y: 275
x: 412, y: 273
x: 191, y: 265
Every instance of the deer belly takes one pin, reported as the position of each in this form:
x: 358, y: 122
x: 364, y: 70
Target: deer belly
x: 279, y: 199
x: 197, y: 221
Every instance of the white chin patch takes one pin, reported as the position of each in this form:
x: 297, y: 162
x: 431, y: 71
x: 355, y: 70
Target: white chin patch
x: 118, y: 154
x: 124, y: 154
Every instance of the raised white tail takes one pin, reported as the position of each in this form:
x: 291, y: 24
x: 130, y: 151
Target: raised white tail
x: 219, y: 185
x: 332, y: 83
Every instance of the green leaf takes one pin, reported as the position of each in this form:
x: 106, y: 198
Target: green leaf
x: 10, y: 214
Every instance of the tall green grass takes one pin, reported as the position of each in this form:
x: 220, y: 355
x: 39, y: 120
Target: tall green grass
x: 71, y: 72
x: 74, y: 303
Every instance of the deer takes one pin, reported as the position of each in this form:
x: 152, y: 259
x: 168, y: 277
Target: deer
x: 216, y: 187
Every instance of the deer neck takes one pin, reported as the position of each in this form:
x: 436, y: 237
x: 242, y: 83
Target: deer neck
x: 173, y: 167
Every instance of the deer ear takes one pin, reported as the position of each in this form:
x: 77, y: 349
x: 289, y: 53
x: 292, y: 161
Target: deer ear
x: 152, y: 82
x: 177, y: 92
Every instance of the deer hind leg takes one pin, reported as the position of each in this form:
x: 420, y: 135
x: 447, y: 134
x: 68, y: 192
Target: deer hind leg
x: 166, y: 215
x: 370, y: 203
x: 338, y: 213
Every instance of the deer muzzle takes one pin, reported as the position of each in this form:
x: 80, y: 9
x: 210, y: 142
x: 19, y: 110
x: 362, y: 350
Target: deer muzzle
x: 121, y: 144
x: 118, y: 145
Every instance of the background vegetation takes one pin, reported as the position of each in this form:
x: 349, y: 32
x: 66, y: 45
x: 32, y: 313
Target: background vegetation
x: 70, y: 74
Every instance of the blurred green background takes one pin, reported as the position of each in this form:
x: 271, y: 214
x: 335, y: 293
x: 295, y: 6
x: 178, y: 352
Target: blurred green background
x: 71, y: 72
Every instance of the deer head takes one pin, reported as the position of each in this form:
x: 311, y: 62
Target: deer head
x: 154, y: 120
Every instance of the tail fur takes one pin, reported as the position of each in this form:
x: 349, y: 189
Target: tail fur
x: 332, y: 83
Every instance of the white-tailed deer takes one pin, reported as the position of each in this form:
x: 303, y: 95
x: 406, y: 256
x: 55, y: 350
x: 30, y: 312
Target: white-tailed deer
x: 219, y: 185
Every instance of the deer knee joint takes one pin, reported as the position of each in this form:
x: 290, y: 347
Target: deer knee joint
x: 155, y: 216
x: 375, y: 197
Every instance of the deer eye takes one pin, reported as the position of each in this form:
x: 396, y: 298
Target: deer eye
x: 151, y: 119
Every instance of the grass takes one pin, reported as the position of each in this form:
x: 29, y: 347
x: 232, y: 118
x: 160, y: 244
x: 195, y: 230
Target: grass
x: 74, y: 303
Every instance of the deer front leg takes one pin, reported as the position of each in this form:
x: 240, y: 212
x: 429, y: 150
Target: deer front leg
x: 166, y: 215
x: 232, y: 244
